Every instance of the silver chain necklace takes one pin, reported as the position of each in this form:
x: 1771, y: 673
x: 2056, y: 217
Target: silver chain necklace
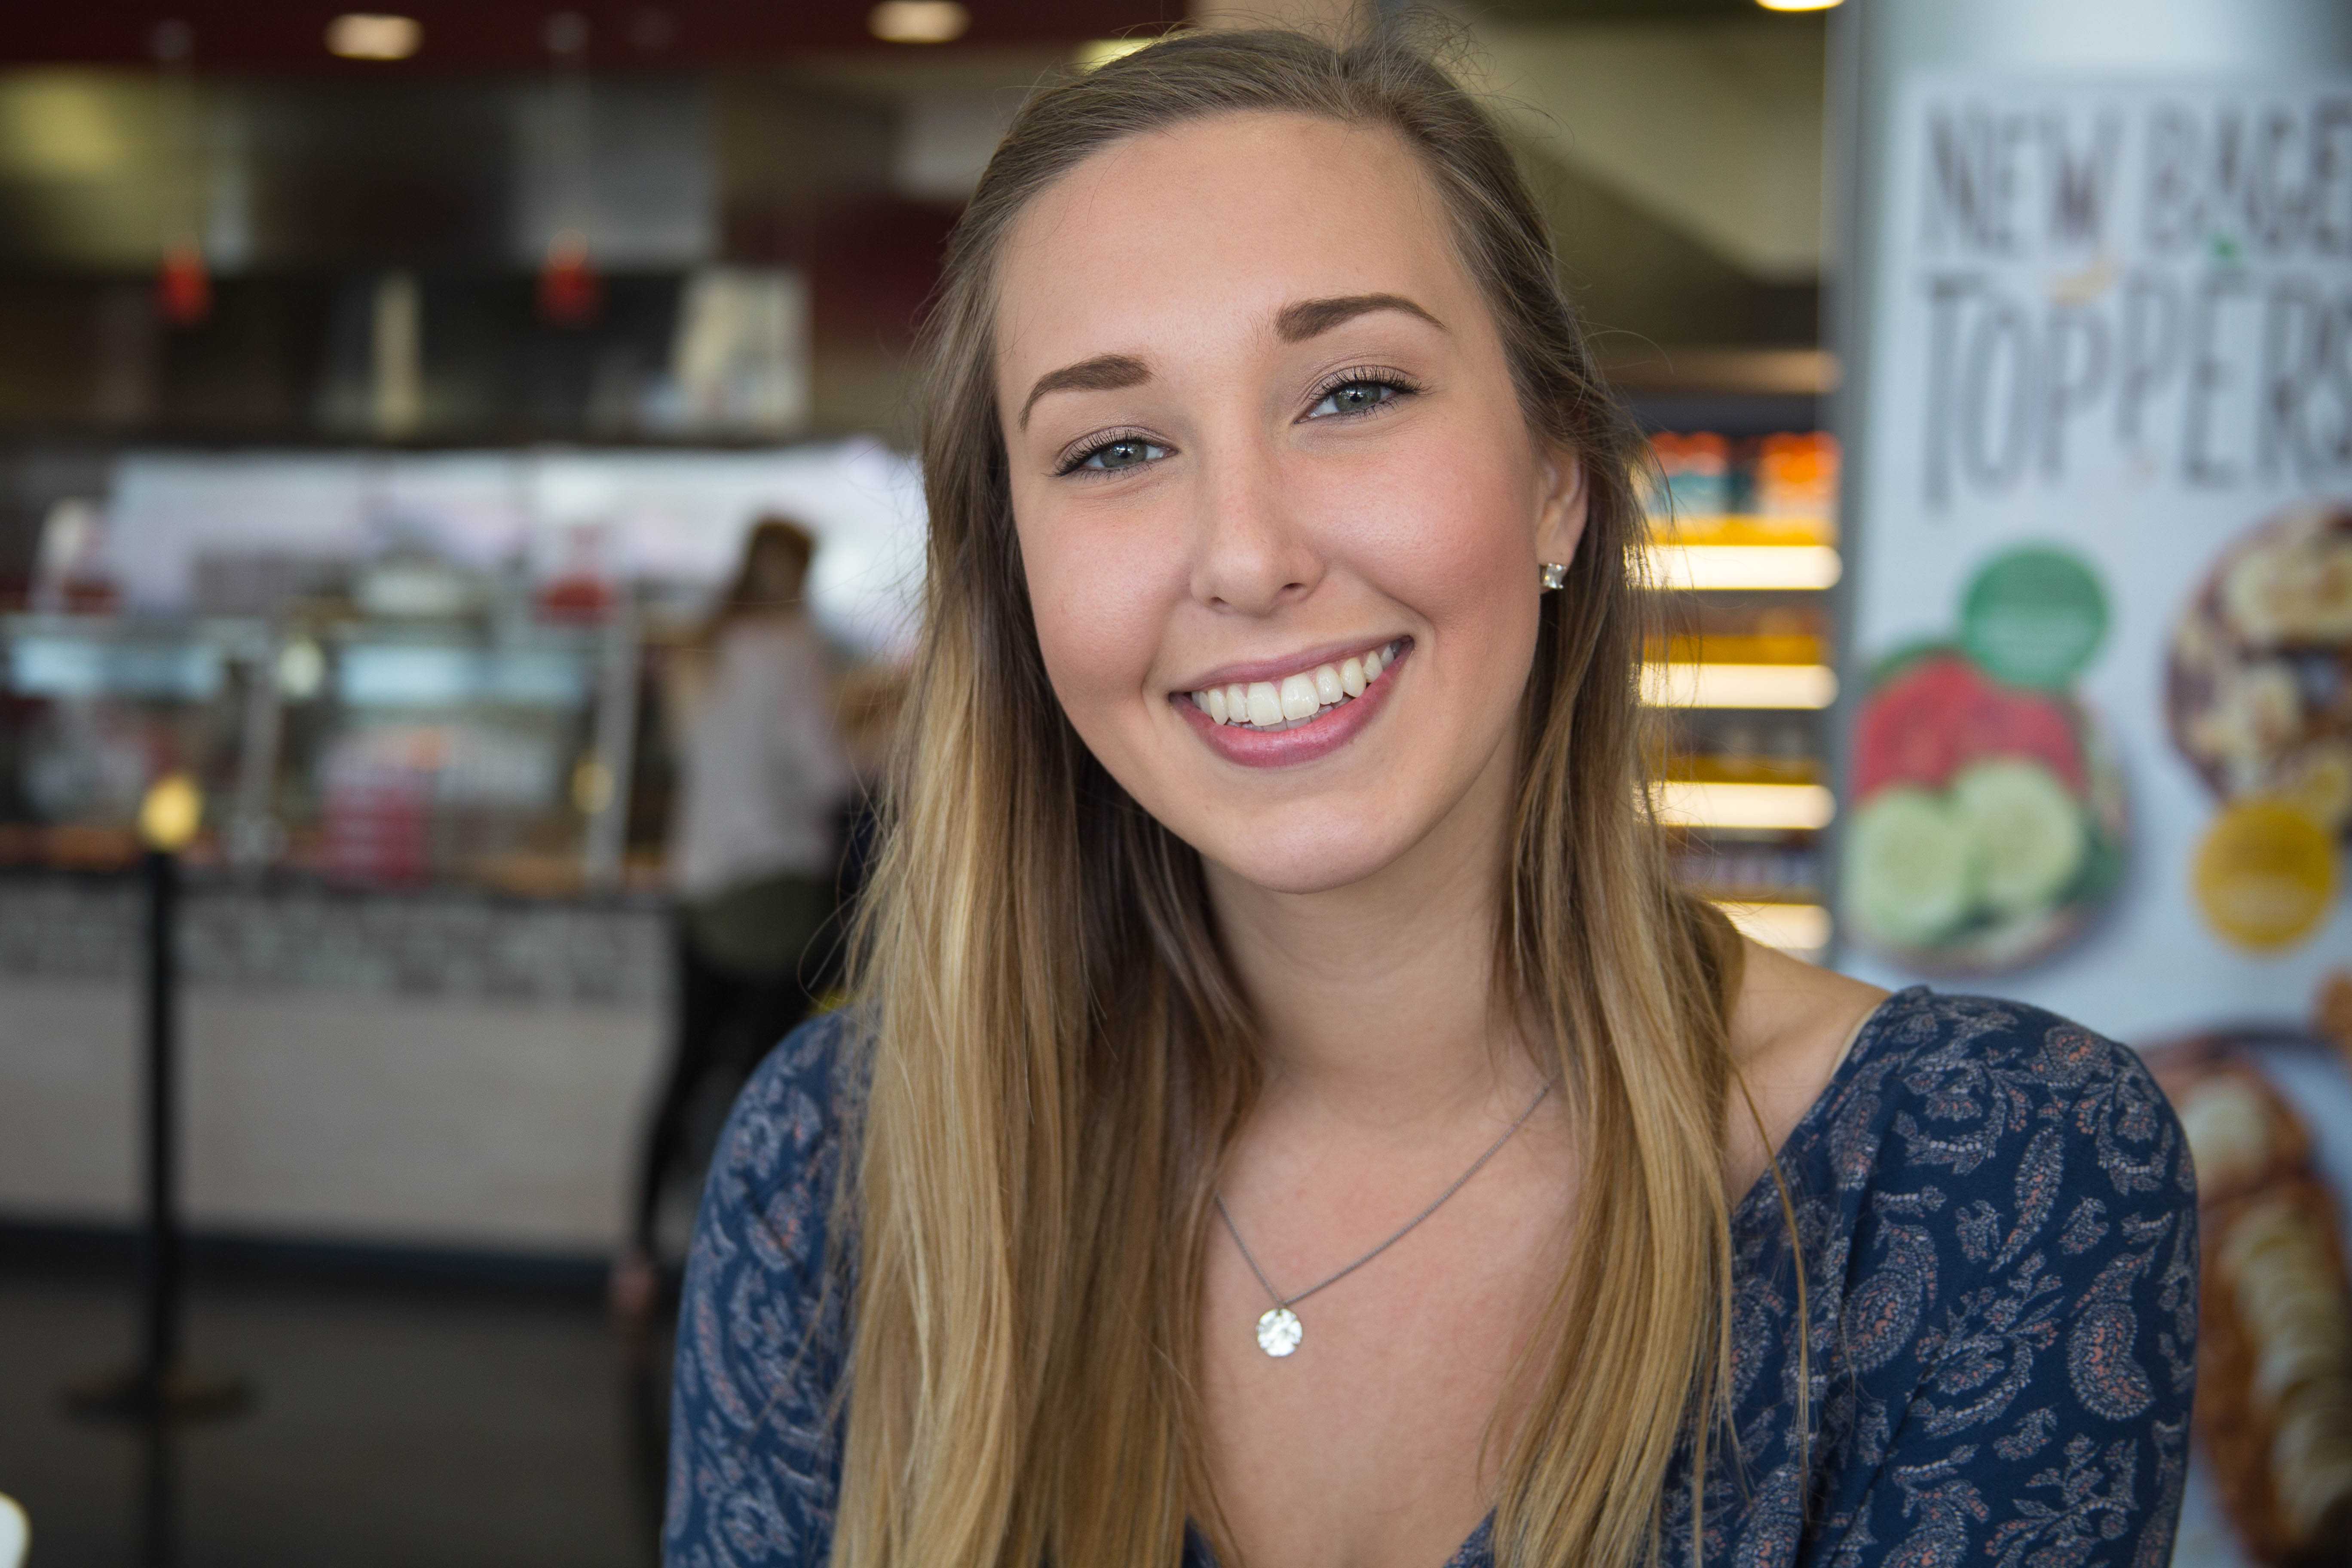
x: 1279, y: 1329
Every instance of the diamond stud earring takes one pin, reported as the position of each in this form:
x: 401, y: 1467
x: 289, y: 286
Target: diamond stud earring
x: 1555, y: 576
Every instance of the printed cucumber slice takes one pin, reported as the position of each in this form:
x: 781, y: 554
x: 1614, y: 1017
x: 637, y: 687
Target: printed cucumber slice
x: 2029, y: 831
x: 1910, y: 868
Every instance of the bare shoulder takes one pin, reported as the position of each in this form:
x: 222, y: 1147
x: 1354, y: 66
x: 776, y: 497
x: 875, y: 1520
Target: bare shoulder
x: 1790, y: 1026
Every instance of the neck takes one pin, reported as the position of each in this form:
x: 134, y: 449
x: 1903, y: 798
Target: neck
x: 1375, y: 1000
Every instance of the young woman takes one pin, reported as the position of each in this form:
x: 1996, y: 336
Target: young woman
x: 1293, y: 1117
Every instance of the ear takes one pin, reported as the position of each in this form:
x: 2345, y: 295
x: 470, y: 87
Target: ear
x: 1560, y: 499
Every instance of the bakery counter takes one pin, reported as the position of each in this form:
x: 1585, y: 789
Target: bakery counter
x: 436, y: 1067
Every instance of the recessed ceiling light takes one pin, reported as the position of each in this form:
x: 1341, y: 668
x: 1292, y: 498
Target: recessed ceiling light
x: 362, y: 36
x: 919, y: 21
x: 1798, y: 5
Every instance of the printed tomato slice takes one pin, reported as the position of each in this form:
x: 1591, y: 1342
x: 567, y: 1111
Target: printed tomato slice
x: 1911, y: 729
x: 2009, y: 721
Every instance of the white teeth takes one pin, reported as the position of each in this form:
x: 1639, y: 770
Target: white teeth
x: 1270, y: 705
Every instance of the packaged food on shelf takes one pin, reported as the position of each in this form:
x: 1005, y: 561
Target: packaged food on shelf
x: 1696, y: 471
x: 1780, y: 488
x: 1743, y: 540
x: 1795, y: 475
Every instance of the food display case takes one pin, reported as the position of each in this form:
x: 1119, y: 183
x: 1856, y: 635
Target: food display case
x: 405, y: 925
x: 423, y: 944
x: 1744, y: 545
x: 93, y: 707
x: 365, y: 748
x: 404, y: 668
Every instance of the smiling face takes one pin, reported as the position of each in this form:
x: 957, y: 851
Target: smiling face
x: 1279, y: 506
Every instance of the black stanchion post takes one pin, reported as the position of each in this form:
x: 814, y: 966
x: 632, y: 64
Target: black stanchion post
x: 159, y: 1388
x: 161, y: 1256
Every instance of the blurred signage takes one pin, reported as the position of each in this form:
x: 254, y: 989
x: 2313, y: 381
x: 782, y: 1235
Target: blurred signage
x: 2155, y: 276
x: 2102, y: 744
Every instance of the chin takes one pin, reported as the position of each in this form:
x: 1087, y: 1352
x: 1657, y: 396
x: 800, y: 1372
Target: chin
x: 1304, y: 858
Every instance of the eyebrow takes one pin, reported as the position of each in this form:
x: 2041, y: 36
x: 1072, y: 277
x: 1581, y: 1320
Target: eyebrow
x: 1309, y: 318
x: 1104, y: 373
x: 1295, y: 324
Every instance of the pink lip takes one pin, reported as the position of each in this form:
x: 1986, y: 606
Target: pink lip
x: 1289, y: 748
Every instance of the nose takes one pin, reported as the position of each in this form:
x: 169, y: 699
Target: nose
x: 1253, y: 553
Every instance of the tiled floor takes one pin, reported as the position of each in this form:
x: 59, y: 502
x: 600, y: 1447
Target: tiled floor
x: 391, y: 1428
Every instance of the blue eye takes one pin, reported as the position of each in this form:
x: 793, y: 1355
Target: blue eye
x: 1116, y: 455
x: 1359, y: 396
x: 1124, y: 454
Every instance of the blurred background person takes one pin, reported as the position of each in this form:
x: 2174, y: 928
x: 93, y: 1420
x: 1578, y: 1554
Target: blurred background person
x: 754, y: 852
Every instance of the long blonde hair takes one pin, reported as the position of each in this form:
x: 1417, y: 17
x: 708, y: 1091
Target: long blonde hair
x: 1060, y: 1054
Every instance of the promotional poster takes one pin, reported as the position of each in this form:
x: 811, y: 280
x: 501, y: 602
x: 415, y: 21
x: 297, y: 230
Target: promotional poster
x: 2100, y: 753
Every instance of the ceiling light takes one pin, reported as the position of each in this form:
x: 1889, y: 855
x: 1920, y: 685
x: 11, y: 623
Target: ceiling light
x: 360, y: 35
x: 919, y: 21
x: 1798, y: 5
x: 1093, y: 56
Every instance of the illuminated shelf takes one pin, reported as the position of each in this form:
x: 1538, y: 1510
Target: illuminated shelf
x: 1725, y: 646
x: 1743, y: 528
x: 1801, y: 929
x: 1724, y: 685
x: 1789, y: 807
x: 1709, y: 568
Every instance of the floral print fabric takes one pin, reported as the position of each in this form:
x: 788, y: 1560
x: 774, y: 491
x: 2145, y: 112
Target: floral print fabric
x: 1998, y: 1220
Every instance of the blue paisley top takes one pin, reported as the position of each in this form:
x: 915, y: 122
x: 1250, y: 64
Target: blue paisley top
x: 1999, y: 1221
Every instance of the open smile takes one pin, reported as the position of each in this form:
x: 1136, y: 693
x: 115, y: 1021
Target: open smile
x: 1300, y: 696
x: 1286, y: 717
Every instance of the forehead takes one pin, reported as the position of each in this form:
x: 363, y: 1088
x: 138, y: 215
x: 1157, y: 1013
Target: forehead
x: 1169, y: 239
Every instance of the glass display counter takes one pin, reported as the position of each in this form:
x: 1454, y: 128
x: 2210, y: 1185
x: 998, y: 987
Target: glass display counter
x: 372, y: 751
x: 421, y: 1008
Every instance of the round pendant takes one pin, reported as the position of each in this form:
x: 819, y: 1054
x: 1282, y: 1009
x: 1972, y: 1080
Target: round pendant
x: 1278, y: 1332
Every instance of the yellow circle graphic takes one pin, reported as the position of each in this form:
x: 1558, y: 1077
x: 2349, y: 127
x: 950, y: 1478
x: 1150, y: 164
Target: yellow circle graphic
x: 2264, y: 874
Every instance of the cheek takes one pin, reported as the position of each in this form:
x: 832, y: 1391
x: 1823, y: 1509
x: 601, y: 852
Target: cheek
x: 1452, y: 538
x: 1099, y: 601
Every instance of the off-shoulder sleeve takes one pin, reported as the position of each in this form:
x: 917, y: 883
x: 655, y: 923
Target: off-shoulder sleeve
x: 2021, y: 1328
x: 754, y: 1452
